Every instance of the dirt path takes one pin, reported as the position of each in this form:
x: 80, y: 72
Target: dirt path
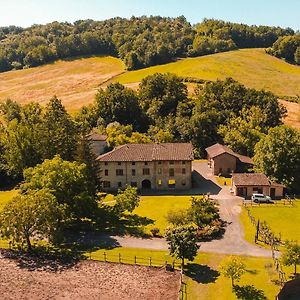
x: 232, y: 242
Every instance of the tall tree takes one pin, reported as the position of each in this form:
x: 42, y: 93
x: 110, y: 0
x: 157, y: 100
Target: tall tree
x: 182, y: 242
x: 60, y: 134
x: 278, y: 156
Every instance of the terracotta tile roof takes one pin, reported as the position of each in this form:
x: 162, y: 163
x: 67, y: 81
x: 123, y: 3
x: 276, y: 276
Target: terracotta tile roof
x: 97, y: 137
x: 249, y: 179
x: 149, y: 152
x: 218, y: 149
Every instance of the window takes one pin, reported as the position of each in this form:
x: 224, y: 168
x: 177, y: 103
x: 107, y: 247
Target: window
x: 133, y: 172
x: 146, y: 163
x: 119, y: 172
x: 133, y: 184
x: 183, y: 183
x: 119, y: 163
x: 172, y: 183
x: 171, y: 172
x: 159, y: 162
x: 159, y: 171
x: 183, y: 171
x: 106, y: 172
x: 133, y: 163
x: 106, y: 163
x: 171, y: 162
x: 146, y: 171
x: 159, y: 182
x: 119, y: 184
x: 106, y: 184
x: 183, y: 162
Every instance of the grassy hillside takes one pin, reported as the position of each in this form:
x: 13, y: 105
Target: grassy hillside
x: 74, y: 81
x: 252, y: 67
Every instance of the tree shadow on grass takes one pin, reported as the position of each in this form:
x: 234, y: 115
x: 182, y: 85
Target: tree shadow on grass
x: 248, y: 292
x: 201, y: 273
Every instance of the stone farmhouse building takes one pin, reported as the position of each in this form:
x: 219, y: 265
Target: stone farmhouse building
x: 245, y: 184
x: 166, y: 166
x: 222, y: 160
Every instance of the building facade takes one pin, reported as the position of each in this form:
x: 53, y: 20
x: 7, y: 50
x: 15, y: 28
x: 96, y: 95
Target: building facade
x: 222, y: 160
x: 245, y: 185
x: 147, y: 167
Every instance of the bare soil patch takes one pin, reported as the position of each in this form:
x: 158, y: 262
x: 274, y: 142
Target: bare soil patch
x: 86, y: 280
x: 293, y: 113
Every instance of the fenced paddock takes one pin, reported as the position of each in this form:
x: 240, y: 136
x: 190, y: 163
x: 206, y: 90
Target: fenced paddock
x: 87, y: 279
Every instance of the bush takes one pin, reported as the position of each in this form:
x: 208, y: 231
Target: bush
x: 155, y: 231
x: 177, y: 217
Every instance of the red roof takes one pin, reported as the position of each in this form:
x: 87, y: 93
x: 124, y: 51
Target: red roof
x: 150, y: 152
x: 250, y: 179
x: 218, y: 149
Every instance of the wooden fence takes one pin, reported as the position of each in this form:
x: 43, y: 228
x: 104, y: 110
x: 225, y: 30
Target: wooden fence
x: 265, y: 235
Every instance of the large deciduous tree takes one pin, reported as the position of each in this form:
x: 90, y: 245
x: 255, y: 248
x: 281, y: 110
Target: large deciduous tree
x: 67, y: 181
x: 126, y: 200
x: 278, y: 156
x: 35, y: 214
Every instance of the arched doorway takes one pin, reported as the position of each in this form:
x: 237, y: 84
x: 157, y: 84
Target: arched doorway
x: 146, y: 184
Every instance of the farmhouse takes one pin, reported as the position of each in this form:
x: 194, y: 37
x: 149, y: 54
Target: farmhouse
x: 222, y: 160
x: 245, y: 184
x: 148, y: 166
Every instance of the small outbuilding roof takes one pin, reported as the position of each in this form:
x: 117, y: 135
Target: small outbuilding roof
x: 250, y: 179
x: 150, y: 152
x: 97, y: 137
x: 218, y: 149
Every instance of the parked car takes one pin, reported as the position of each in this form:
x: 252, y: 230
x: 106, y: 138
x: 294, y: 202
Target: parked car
x: 261, y: 198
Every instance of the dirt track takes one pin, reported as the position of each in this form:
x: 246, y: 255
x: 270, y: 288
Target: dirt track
x: 87, y: 280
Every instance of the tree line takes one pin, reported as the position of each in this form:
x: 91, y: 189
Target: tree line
x: 288, y: 48
x: 139, y: 41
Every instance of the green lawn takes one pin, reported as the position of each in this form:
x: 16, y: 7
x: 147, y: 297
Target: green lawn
x: 282, y: 219
x: 223, y: 180
x: 156, y: 208
x: 202, y: 277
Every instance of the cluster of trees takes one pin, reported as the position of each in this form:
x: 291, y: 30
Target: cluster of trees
x: 218, y: 36
x: 53, y: 194
x: 30, y: 134
x: 164, y: 113
x: 288, y: 48
x: 140, y: 42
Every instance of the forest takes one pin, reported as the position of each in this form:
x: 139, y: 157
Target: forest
x: 139, y: 41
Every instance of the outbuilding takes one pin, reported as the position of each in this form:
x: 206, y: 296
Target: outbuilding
x: 246, y: 184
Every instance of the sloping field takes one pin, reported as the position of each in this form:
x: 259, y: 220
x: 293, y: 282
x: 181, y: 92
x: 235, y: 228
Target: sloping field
x: 74, y: 81
x: 252, y: 67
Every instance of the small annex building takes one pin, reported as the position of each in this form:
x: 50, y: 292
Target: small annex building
x: 222, y: 160
x: 166, y: 166
x: 245, y: 184
x: 98, y: 144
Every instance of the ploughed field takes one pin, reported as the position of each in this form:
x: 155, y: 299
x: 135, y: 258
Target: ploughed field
x: 25, y: 279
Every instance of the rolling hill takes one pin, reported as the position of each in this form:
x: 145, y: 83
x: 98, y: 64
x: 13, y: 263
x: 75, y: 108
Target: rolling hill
x: 252, y: 67
x: 76, y: 81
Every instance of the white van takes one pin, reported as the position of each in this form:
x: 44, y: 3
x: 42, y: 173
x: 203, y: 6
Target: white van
x: 261, y: 198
